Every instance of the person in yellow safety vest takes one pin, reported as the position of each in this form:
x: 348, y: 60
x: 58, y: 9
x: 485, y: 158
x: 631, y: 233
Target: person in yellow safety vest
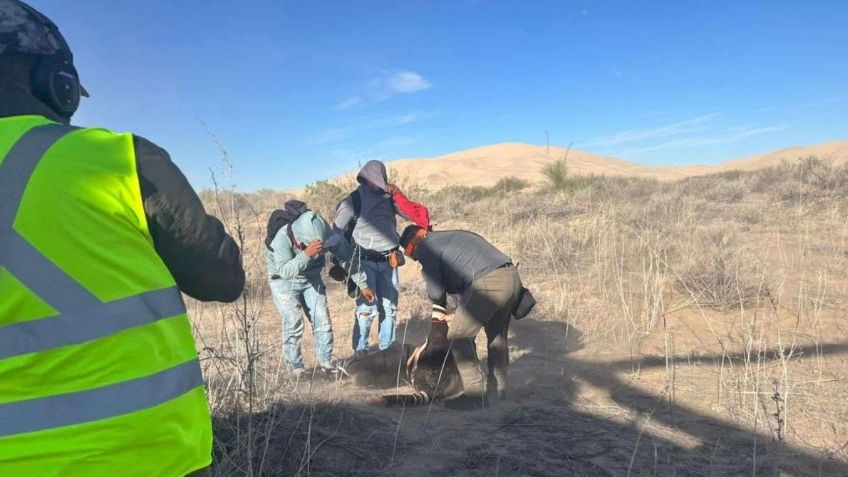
x: 99, y: 234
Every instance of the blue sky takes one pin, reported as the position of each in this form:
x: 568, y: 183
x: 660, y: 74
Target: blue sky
x: 302, y: 90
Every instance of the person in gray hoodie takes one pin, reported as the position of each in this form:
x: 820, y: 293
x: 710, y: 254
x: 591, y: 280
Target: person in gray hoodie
x: 375, y: 238
x: 294, y: 259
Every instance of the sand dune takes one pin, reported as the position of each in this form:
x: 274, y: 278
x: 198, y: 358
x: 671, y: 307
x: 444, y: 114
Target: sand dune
x: 484, y: 166
x: 835, y: 151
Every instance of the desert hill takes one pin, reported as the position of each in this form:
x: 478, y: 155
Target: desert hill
x: 834, y: 151
x: 483, y: 166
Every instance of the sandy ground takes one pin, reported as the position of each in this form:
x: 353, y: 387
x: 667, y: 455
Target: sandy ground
x: 579, y: 408
x: 759, y: 389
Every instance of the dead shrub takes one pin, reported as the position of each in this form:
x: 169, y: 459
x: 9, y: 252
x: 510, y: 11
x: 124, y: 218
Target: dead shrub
x: 808, y: 179
x: 720, y: 275
x: 617, y: 187
x: 464, y: 193
x: 509, y: 184
x: 324, y: 197
x: 730, y: 191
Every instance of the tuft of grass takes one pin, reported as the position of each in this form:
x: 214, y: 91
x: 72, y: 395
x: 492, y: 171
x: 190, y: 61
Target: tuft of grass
x: 558, y: 179
x: 556, y: 174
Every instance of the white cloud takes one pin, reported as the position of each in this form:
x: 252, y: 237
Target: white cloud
x: 386, y: 85
x: 407, y: 82
x: 723, y: 137
x: 334, y: 135
x: 400, y: 120
x: 329, y: 135
x: 635, y: 135
x: 349, y: 103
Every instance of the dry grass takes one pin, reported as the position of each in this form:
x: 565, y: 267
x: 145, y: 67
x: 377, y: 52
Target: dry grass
x: 689, y: 328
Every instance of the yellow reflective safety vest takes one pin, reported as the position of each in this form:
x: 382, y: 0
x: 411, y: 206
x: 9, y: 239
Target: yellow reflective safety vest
x: 98, y: 371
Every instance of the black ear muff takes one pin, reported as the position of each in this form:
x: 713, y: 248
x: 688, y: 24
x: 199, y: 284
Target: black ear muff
x: 56, y: 83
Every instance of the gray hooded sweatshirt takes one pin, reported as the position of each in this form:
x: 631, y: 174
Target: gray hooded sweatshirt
x: 376, y: 227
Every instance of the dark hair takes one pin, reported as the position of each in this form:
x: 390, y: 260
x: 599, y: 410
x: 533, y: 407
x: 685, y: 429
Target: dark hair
x: 408, y: 233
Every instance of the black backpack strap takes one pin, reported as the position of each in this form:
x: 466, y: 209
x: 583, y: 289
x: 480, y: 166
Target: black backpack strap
x: 356, y: 201
x: 291, y: 235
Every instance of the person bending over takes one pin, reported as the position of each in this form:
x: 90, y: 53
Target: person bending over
x: 296, y: 241
x: 463, y: 263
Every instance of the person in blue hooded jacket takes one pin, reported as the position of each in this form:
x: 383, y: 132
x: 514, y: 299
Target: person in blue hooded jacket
x: 294, y: 259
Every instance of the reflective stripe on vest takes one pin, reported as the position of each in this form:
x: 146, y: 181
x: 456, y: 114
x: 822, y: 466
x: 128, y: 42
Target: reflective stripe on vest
x: 81, y: 316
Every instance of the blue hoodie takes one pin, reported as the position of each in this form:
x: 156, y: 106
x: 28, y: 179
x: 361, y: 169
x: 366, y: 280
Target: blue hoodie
x: 291, y: 263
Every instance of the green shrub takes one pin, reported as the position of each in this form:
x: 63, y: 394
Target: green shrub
x: 556, y: 173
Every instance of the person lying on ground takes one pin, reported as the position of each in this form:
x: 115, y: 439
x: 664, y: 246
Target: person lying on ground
x: 465, y: 264
x: 429, y: 368
x: 296, y: 241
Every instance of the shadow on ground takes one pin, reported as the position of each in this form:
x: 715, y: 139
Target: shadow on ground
x: 537, y: 432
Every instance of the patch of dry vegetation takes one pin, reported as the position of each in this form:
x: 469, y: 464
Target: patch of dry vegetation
x: 710, y: 311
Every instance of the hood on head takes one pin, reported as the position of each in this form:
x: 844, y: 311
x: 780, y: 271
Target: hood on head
x: 310, y: 226
x: 295, y: 207
x: 374, y: 172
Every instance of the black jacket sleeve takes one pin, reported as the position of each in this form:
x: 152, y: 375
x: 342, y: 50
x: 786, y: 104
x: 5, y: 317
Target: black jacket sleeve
x: 434, y: 278
x: 204, y: 260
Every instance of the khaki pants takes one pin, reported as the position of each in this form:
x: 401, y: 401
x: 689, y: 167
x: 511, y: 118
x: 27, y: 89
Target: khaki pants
x: 487, y: 304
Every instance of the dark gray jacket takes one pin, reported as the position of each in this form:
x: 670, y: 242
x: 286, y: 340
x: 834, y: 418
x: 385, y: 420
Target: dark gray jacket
x: 452, y: 259
x: 204, y: 260
x: 376, y: 227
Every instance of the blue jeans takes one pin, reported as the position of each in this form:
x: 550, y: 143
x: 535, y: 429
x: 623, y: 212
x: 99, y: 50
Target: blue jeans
x: 296, y: 299
x: 383, y: 280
